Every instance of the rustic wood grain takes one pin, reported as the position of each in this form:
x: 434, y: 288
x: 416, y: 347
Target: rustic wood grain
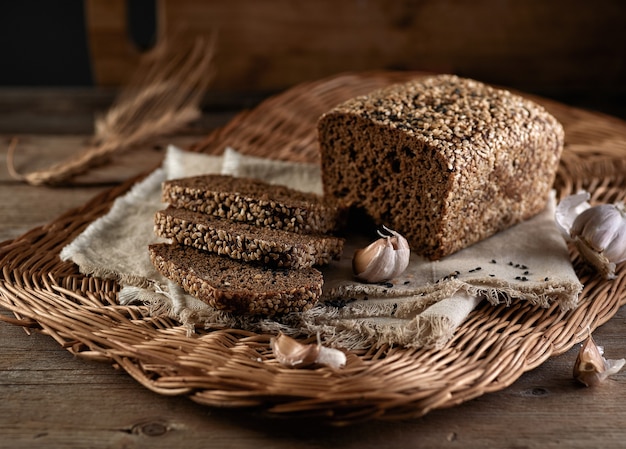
x: 54, y: 400
x: 533, y: 45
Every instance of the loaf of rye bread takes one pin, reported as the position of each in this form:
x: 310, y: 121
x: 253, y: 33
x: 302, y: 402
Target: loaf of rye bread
x: 445, y: 161
x: 254, y: 201
x: 246, y: 242
x: 235, y: 286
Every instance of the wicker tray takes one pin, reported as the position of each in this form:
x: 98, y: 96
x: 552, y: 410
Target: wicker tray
x: 234, y: 368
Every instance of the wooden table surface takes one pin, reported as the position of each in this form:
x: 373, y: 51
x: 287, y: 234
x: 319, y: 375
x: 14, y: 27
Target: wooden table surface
x: 48, y: 398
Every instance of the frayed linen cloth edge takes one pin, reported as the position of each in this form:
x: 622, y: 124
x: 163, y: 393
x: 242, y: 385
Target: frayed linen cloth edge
x: 424, y: 319
x: 77, y: 250
x: 432, y: 328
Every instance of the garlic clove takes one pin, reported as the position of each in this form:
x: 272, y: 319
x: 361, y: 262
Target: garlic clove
x: 292, y: 353
x: 383, y: 259
x: 591, y: 368
x: 363, y: 257
x: 616, y: 251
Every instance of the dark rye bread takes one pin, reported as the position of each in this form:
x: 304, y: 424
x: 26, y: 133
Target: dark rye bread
x: 246, y: 242
x: 445, y: 161
x: 234, y: 286
x: 254, y: 201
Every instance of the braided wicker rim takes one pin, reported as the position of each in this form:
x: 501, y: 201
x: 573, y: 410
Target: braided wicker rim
x: 235, y: 368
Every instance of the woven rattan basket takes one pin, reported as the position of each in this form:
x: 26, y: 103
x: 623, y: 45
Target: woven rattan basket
x: 235, y: 368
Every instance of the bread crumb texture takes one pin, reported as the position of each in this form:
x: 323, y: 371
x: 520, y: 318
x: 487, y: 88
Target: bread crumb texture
x: 445, y: 161
x: 246, y: 242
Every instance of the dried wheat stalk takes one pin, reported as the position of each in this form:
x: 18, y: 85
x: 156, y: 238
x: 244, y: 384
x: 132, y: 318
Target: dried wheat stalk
x: 163, y: 96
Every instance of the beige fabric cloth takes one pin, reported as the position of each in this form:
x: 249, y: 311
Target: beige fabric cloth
x: 423, y: 307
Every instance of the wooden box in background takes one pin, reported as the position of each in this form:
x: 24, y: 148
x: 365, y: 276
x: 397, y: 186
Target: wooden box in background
x: 557, y: 46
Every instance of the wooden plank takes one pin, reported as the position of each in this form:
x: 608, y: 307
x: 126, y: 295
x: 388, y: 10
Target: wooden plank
x: 532, y: 45
x: 114, y: 58
x: 52, y: 399
x: 28, y: 207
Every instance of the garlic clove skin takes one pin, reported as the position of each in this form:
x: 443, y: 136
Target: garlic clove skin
x: 598, y: 260
x: 288, y: 351
x: 600, y: 235
x: 362, y: 257
x: 331, y: 357
x: 383, y: 259
x: 616, y: 250
x: 568, y: 209
x: 292, y: 353
x: 402, y: 252
x: 591, y: 368
x: 599, y: 225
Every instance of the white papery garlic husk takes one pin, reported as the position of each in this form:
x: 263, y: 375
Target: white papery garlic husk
x: 568, y: 209
x: 591, y: 368
x: 599, y: 232
x: 384, y: 259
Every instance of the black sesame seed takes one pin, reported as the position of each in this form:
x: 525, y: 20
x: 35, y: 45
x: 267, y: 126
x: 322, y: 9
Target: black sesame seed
x: 526, y: 272
x: 407, y: 282
x: 493, y: 261
x: 492, y: 275
x: 393, y: 311
x: 523, y: 267
x: 338, y: 303
x: 545, y: 279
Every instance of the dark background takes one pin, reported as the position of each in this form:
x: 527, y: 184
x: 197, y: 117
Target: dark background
x: 45, y: 43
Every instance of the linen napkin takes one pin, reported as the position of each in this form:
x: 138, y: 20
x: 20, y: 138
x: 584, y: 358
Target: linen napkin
x: 421, y: 308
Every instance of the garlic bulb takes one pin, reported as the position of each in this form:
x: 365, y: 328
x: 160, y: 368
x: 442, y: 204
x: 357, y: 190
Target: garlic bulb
x: 591, y: 368
x: 600, y: 235
x: 599, y: 232
x: 383, y: 259
x: 294, y: 354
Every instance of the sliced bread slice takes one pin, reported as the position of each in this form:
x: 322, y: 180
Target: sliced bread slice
x: 246, y: 242
x: 254, y: 201
x: 235, y: 286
